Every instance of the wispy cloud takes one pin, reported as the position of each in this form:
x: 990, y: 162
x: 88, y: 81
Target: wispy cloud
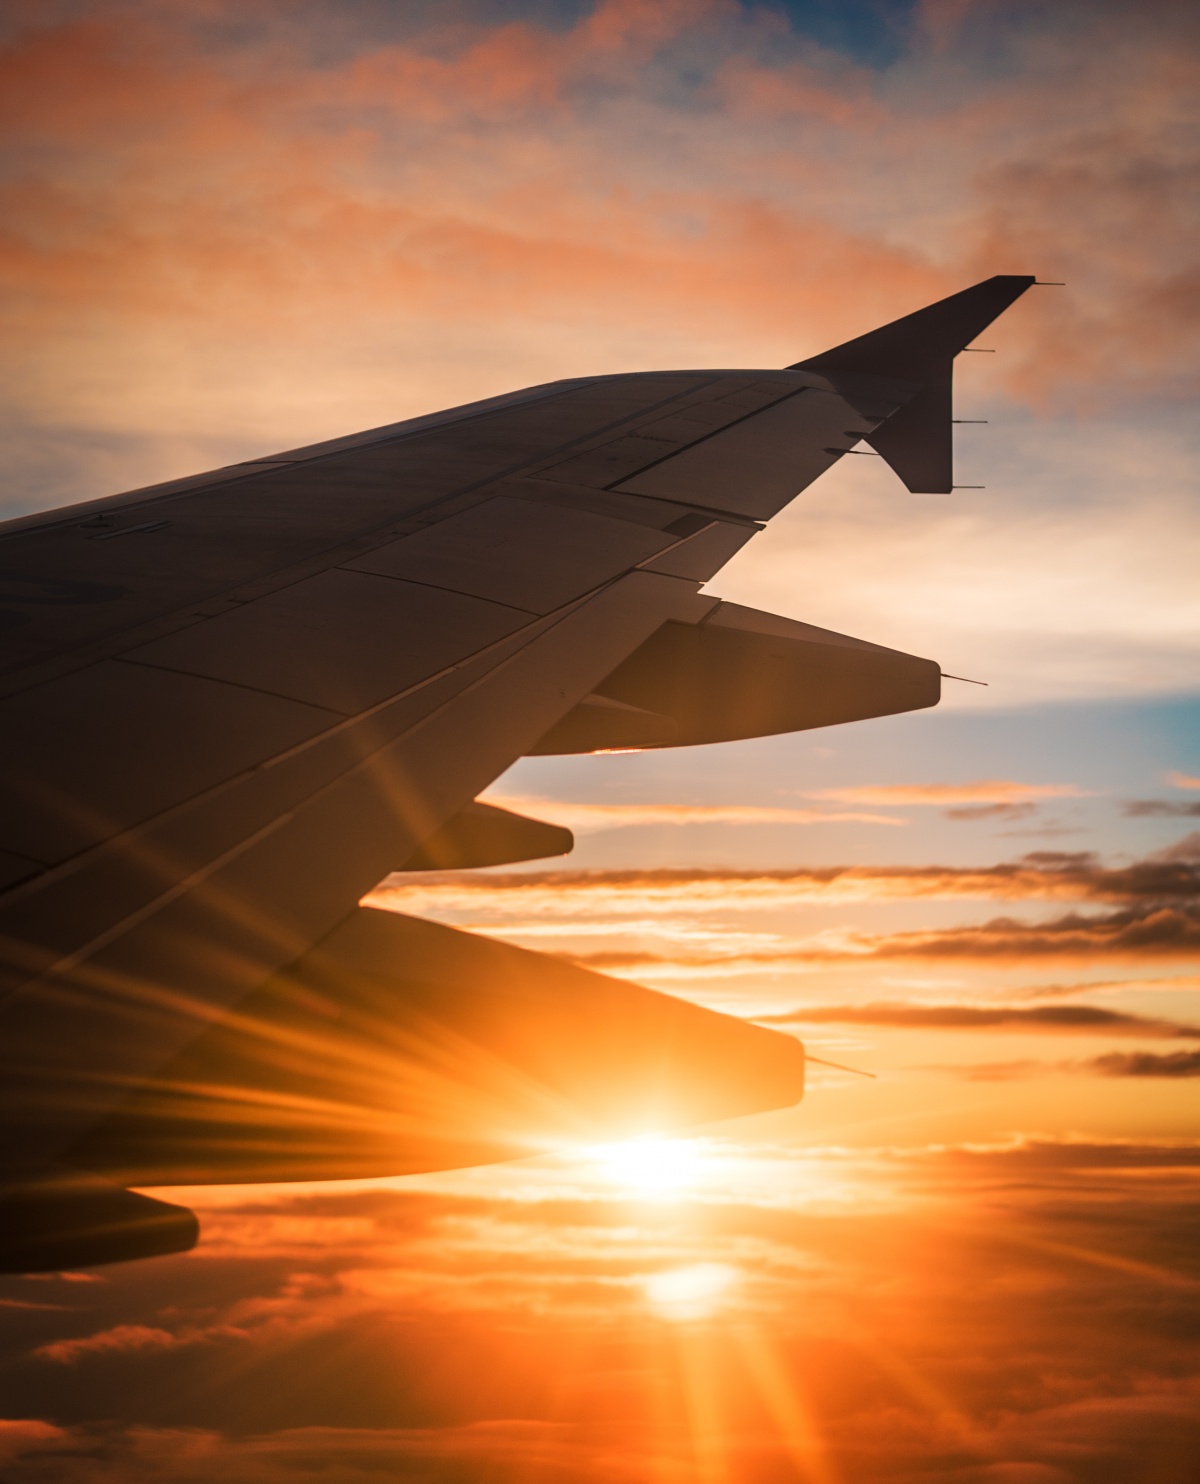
x: 1147, y: 1064
x: 1053, y: 1019
x: 990, y: 791
x: 1183, y: 780
x: 588, y: 818
x: 988, y: 798
x: 121, y: 1339
x: 1042, y: 875
x: 1171, y: 1065
x: 1186, y: 850
x: 1076, y: 1152
x: 1154, y: 931
x: 1161, y: 809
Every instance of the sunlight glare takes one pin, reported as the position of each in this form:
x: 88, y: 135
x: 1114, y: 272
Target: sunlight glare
x: 691, y: 1292
x: 652, y: 1168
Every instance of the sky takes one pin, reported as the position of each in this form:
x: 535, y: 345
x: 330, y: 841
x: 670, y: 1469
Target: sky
x: 230, y: 229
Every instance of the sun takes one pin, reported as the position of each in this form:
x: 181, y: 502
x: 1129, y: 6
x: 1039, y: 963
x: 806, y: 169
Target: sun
x: 652, y: 1168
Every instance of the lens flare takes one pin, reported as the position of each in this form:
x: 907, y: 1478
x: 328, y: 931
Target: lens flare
x: 689, y: 1293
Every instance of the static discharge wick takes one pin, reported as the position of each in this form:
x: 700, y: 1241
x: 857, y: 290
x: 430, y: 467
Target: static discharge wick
x: 821, y: 1062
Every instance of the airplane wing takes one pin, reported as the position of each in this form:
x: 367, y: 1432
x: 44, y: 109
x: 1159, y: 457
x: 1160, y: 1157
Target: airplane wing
x: 235, y: 702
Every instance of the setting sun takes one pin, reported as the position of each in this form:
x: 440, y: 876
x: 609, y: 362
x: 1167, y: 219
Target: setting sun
x: 653, y: 1168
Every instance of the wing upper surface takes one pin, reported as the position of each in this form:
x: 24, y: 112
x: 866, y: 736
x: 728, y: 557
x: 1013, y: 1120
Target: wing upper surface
x: 257, y: 610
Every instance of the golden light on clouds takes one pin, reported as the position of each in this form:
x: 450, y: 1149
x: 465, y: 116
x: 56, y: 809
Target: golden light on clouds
x: 586, y: 818
x: 984, y: 791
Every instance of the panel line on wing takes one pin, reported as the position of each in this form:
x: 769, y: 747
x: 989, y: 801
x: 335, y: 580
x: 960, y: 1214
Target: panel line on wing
x: 148, y: 627
x: 695, y: 443
x: 235, y: 473
x: 120, y: 839
x: 243, y: 685
x: 514, y: 642
x: 364, y: 764
x: 677, y: 447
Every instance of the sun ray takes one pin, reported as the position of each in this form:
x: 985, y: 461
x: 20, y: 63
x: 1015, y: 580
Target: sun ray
x: 790, y: 1410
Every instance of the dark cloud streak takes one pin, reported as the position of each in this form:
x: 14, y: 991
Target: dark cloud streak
x: 1161, y: 809
x: 1147, y: 1064
x: 1150, y: 931
x: 1038, y: 875
x: 1054, y: 1019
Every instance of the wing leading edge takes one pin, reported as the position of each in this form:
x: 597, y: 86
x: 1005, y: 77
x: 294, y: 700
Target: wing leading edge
x: 231, y: 704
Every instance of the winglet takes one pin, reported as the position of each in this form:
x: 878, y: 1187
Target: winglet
x: 921, y: 347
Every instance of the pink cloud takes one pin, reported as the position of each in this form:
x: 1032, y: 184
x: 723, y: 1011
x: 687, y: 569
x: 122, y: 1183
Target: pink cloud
x: 171, y: 184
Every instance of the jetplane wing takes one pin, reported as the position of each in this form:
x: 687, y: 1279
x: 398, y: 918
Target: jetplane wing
x: 235, y: 702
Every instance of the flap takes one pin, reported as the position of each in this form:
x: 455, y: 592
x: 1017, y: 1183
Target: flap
x: 70, y: 1220
x: 744, y: 673
x: 601, y: 724
x: 484, y: 835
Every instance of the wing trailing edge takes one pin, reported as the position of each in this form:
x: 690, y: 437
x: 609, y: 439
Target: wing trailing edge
x: 486, y: 835
x: 740, y: 673
x: 65, y: 1219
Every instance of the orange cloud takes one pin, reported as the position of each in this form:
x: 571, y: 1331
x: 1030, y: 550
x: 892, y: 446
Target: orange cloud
x: 858, y: 1274
x: 985, y: 791
x: 575, y: 894
x: 1147, y: 1064
x: 591, y: 817
x: 121, y: 1338
x: 28, y: 1435
x: 1051, y: 1019
x: 1148, y: 932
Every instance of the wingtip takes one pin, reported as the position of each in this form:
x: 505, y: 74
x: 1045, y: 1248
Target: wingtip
x: 921, y: 348
x: 925, y: 342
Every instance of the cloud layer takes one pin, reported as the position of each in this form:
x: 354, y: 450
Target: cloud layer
x: 531, y: 1327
